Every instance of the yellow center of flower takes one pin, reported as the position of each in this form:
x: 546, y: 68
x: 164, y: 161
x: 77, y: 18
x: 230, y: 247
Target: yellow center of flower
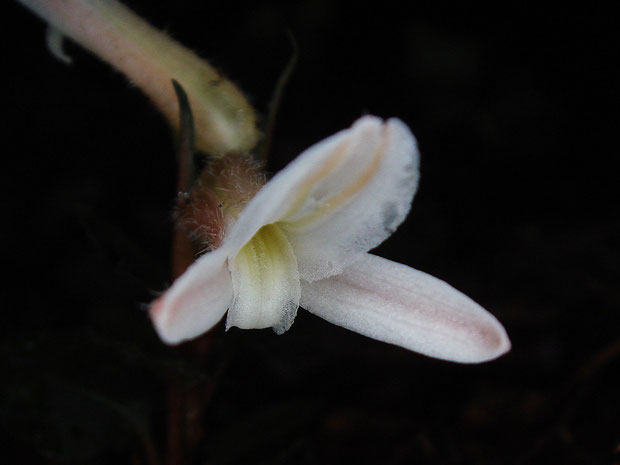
x: 265, y: 278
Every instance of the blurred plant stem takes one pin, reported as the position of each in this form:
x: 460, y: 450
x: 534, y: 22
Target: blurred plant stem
x: 186, y: 404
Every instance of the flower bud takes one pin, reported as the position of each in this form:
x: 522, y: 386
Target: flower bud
x: 225, y: 121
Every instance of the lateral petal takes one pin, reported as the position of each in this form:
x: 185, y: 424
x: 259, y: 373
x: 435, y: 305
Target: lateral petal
x: 393, y: 303
x: 196, y: 301
x: 265, y: 283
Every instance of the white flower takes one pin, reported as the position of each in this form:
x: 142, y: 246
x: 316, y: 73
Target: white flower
x: 303, y: 240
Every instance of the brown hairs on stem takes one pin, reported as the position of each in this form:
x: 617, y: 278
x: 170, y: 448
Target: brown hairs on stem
x: 219, y: 196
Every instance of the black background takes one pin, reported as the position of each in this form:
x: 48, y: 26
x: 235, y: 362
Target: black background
x: 516, y: 118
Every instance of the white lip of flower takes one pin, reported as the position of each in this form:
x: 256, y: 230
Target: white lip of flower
x: 303, y: 240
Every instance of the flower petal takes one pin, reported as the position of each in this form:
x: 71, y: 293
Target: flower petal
x: 345, y: 194
x: 265, y: 282
x: 397, y: 304
x: 196, y: 301
x: 360, y: 203
x: 279, y: 196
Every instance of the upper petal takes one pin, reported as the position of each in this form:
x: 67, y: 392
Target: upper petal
x: 289, y: 188
x: 360, y: 202
x: 397, y: 304
x: 344, y: 194
x: 196, y: 301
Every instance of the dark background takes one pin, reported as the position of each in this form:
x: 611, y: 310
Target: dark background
x: 516, y: 117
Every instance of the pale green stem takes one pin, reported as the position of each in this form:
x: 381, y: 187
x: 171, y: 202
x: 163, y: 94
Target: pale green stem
x: 225, y: 121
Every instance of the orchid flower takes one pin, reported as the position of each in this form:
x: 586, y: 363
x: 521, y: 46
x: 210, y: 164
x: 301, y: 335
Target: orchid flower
x: 304, y: 238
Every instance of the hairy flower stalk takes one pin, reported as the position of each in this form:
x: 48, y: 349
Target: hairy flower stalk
x: 302, y: 239
x: 225, y: 121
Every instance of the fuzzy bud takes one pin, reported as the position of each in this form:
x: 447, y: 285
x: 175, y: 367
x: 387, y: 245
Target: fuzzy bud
x: 221, y: 193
